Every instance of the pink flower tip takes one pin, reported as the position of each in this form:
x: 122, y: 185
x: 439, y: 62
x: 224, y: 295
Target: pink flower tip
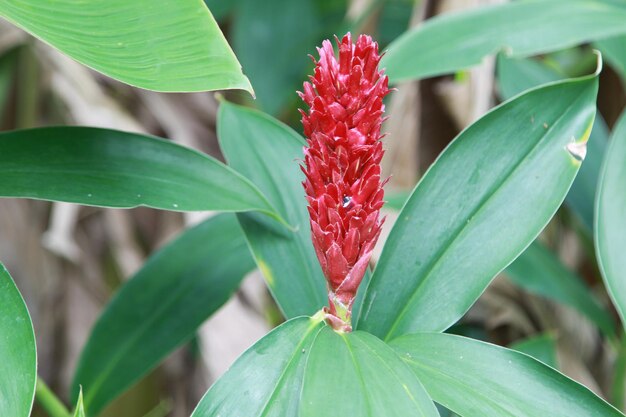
x: 342, y: 165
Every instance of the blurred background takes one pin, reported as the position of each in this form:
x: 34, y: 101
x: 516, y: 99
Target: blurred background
x: 68, y: 260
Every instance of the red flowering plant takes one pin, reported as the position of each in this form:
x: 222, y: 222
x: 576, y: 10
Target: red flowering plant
x: 310, y: 224
x: 342, y: 165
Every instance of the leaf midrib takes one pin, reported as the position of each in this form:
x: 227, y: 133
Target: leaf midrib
x: 480, y: 206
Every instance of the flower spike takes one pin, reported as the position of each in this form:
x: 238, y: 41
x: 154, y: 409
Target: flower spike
x: 342, y: 165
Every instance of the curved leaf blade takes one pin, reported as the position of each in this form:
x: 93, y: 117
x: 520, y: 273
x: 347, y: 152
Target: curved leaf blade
x: 109, y: 168
x: 484, y: 200
x: 517, y: 75
x: 477, y: 379
x: 266, y: 151
x: 18, y: 367
x: 161, y: 307
x: 303, y: 368
x: 176, y: 46
x: 539, y: 271
x: 610, y: 239
x: 456, y: 41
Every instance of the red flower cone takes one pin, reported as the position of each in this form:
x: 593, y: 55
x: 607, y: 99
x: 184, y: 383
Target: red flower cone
x: 342, y: 165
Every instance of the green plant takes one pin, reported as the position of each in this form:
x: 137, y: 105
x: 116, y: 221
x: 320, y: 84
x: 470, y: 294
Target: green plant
x: 476, y: 212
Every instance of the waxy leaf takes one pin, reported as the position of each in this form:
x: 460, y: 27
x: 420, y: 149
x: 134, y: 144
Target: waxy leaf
x: 267, y: 152
x: 172, y: 46
x: 521, y: 28
x: 161, y: 307
x: 109, y: 168
x: 18, y: 354
x: 539, y: 271
x: 478, y: 207
x: 610, y: 239
x: 477, y: 379
x: 305, y: 369
x: 517, y: 75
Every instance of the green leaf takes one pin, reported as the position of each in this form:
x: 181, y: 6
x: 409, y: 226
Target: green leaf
x: 610, y: 239
x: 539, y: 271
x: 304, y: 368
x: 517, y: 75
x: 284, y: 30
x: 542, y: 348
x: 457, y: 41
x: 176, y: 46
x: 161, y: 307
x: 18, y: 367
x: 486, y: 198
x: 110, y: 168
x: 267, y: 152
x: 477, y: 379
x: 614, y: 50
x: 79, y: 411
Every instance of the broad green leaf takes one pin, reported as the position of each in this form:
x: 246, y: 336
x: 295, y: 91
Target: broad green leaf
x: 614, y: 50
x: 79, y: 411
x: 175, y: 46
x: 477, y: 379
x: 539, y: 271
x: 18, y: 363
x: 517, y: 75
x: 109, y: 168
x: 478, y: 207
x: 161, y: 307
x: 542, y: 348
x: 284, y: 31
x: 610, y: 239
x: 267, y: 152
x: 304, y: 368
x: 521, y: 28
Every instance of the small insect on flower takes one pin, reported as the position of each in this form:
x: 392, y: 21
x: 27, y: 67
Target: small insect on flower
x: 342, y: 165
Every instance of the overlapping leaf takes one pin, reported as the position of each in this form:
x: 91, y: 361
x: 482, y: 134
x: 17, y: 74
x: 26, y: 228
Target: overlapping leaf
x: 477, y: 379
x: 517, y: 75
x: 161, y: 307
x: 169, y: 46
x: 18, y: 363
x: 303, y: 368
x: 485, y: 199
x: 610, y: 239
x: 267, y: 152
x: 521, y: 28
x: 110, y: 168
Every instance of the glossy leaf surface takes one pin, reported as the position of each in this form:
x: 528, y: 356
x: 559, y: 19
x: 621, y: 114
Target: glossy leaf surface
x: 109, y: 168
x: 539, y: 271
x: 161, y: 307
x: 610, y: 239
x: 477, y: 379
x: 305, y: 369
x: 522, y: 28
x: 267, y: 152
x: 175, y: 46
x: 517, y: 75
x: 484, y: 200
x: 18, y: 364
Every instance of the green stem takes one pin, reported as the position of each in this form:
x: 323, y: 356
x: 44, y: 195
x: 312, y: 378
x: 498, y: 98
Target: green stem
x: 49, y: 401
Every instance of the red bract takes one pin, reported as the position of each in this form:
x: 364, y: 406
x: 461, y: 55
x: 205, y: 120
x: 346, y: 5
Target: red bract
x: 342, y: 165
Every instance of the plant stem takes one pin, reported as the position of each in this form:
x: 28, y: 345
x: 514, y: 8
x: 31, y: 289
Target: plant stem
x: 49, y: 401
